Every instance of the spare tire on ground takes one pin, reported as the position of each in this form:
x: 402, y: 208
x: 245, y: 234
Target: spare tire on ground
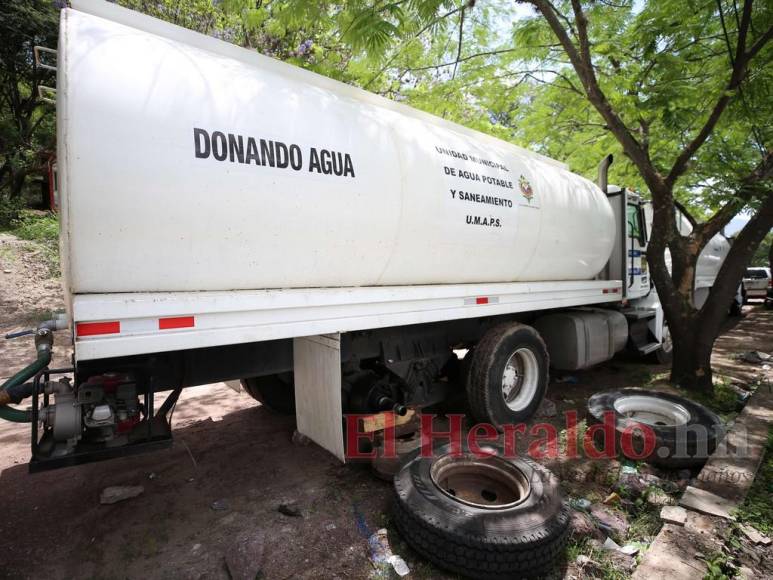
x: 685, y: 433
x: 482, y: 517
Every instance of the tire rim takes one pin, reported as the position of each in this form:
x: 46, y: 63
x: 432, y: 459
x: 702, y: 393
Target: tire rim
x: 483, y: 482
x: 666, y: 344
x: 652, y: 411
x: 520, y: 379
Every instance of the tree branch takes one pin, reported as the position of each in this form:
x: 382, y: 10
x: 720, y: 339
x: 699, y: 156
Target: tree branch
x: 761, y: 41
x: 737, y: 75
x: 459, y: 48
x: 582, y: 33
x: 415, y: 36
x: 477, y: 55
x: 751, y: 186
x: 580, y: 60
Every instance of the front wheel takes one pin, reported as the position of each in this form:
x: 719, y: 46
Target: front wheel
x: 508, y: 375
x: 276, y: 392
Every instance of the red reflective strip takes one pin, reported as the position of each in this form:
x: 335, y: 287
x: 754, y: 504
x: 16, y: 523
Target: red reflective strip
x: 481, y: 300
x: 176, y: 322
x: 611, y: 290
x: 92, y: 328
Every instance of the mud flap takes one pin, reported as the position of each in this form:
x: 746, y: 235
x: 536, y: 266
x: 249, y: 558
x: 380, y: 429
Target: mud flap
x: 317, y: 366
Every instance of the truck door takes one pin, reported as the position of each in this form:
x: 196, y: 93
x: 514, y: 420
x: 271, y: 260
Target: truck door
x: 637, y: 279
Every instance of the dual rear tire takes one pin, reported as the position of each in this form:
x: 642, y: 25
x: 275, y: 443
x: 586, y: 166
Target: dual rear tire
x: 275, y: 392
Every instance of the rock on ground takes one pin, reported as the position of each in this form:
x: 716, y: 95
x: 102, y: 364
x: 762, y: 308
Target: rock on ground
x: 117, y: 493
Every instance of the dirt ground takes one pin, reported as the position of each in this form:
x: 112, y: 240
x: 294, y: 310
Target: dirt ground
x: 210, y: 506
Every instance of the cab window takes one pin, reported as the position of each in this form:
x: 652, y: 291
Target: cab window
x: 635, y: 223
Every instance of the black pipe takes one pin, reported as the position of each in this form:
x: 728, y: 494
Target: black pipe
x: 604, y: 172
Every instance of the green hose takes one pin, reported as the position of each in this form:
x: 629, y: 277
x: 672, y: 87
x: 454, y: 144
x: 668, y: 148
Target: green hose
x: 16, y: 415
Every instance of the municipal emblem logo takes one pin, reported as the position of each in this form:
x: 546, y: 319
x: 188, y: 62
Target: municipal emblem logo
x: 526, y: 189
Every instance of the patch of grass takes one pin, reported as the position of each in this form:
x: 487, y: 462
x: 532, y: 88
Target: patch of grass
x: 724, y: 399
x: 576, y: 548
x: 644, y: 523
x: 37, y: 315
x: 720, y: 567
x: 610, y: 570
x: 603, y: 567
x: 641, y: 376
x: 755, y: 510
x: 661, y: 377
x: 7, y: 255
x: 43, y: 229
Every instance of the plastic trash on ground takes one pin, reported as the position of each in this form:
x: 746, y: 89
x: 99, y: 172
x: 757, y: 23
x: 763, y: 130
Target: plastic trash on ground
x: 381, y: 553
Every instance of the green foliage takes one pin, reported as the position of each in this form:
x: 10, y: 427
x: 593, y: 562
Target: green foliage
x: 756, y: 510
x: 200, y: 15
x: 719, y: 567
x: 43, y: 229
x: 10, y: 211
x: 644, y: 521
x: 724, y: 398
x: 764, y: 253
x: 26, y: 124
x: 662, y: 65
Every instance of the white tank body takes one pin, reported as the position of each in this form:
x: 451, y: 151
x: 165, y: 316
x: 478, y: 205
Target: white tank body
x: 361, y: 191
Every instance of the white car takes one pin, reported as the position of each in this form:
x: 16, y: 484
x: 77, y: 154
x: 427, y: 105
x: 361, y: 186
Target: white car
x: 756, y: 282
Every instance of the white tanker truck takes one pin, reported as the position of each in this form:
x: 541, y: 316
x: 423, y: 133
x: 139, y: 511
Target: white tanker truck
x: 226, y: 216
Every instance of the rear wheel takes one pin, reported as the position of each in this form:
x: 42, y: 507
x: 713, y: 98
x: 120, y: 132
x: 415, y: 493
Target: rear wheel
x: 276, y: 392
x: 508, y: 375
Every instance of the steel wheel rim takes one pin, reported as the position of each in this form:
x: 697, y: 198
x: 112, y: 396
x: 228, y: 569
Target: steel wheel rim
x: 520, y: 379
x: 487, y: 482
x: 652, y: 411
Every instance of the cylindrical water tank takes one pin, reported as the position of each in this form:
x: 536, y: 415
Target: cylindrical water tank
x: 189, y: 164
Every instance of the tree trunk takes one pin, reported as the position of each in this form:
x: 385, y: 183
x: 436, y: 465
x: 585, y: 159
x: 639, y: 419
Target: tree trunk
x: 17, y: 183
x: 691, y: 367
x: 45, y: 193
x: 770, y: 256
x: 694, y: 338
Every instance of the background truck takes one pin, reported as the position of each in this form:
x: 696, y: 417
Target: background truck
x: 756, y: 282
x: 226, y: 216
